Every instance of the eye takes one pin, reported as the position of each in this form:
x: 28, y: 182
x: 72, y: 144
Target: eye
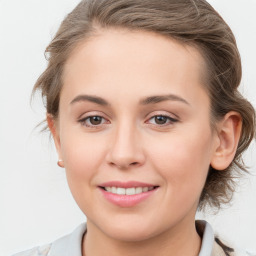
x: 92, y: 121
x: 162, y: 120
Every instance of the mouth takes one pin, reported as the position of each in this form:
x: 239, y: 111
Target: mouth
x: 128, y: 191
x: 127, y: 194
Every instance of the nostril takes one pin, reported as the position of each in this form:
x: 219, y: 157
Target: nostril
x: 124, y: 166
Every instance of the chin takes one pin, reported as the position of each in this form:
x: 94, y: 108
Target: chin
x: 127, y: 232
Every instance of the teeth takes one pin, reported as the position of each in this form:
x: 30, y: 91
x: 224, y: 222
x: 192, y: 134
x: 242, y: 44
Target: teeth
x: 113, y: 190
x: 145, y: 189
x: 138, y: 190
x: 120, y: 191
x: 128, y: 191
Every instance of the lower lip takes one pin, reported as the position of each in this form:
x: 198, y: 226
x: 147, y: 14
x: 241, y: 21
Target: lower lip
x: 127, y: 200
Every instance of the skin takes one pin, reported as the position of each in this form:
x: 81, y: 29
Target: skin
x: 128, y: 143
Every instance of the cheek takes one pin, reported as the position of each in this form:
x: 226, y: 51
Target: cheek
x: 82, y: 155
x: 183, y: 161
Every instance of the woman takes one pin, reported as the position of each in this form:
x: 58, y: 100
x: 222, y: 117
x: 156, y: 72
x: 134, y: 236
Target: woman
x: 143, y: 107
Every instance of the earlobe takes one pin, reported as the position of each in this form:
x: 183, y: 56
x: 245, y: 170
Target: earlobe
x: 52, y: 124
x: 229, y: 131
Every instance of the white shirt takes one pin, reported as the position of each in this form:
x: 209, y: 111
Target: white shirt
x: 70, y: 245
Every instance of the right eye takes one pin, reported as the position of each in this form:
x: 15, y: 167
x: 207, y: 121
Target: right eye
x: 93, y: 121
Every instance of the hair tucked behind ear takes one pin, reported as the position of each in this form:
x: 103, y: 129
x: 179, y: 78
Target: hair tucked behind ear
x: 192, y: 22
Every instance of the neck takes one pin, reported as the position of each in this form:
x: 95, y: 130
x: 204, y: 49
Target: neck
x: 182, y: 240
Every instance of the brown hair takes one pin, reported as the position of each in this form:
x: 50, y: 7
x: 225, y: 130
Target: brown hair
x: 192, y: 22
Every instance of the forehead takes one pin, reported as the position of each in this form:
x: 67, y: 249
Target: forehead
x: 132, y: 60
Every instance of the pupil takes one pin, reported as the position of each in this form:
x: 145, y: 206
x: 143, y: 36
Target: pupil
x: 95, y: 120
x: 161, y: 119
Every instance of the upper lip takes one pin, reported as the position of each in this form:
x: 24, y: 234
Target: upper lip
x: 127, y: 184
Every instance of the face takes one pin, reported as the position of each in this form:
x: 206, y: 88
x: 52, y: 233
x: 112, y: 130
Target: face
x: 134, y: 133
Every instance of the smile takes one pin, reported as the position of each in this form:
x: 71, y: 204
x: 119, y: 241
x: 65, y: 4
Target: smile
x: 128, y: 191
x: 127, y: 194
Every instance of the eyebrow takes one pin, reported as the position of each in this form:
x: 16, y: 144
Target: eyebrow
x: 91, y: 98
x: 145, y: 101
x: 160, y: 98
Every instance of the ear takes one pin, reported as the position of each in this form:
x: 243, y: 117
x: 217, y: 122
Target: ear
x: 229, y: 131
x: 53, y: 126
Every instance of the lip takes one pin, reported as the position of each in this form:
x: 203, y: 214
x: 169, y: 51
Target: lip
x: 127, y: 184
x: 126, y: 201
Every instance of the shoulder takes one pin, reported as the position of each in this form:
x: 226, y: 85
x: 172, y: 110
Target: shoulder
x: 225, y: 249
x: 65, y: 246
x: 230, y: 250
x: 215, y: 246
x: 36, y: 251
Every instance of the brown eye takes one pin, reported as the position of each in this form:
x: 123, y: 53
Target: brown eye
x: 95, y: 120
x: 160, y: 119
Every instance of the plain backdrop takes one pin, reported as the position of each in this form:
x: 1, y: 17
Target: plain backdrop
x: 36, y: 206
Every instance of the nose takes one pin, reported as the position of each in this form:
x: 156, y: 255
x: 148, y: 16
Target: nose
x: 126, y: 149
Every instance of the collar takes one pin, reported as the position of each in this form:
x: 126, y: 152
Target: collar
x: 71, y: 244
x: 205, y: 230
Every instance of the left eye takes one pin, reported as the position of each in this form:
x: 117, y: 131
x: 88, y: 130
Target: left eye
x: 162, y: 120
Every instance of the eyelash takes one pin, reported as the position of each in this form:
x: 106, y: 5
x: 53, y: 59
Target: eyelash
x: 171, y: 120
x: 83, y: 121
